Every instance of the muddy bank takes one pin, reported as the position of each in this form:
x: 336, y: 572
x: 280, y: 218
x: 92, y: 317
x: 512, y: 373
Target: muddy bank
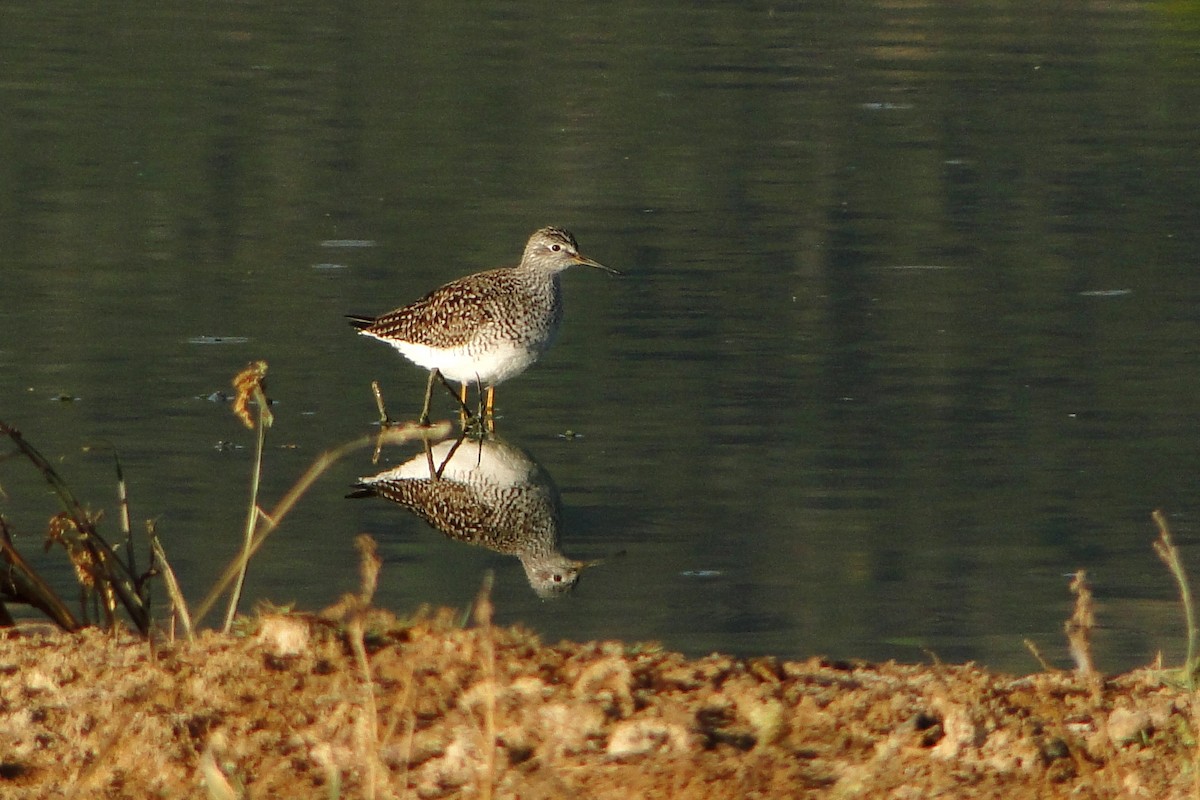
x: 294, y: 707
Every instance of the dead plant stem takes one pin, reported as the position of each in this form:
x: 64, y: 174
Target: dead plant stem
x: 113, y: 571
x: 21, y: 580
x: 251, y: 515
x: 1165, y: 547
x: 178, y: 603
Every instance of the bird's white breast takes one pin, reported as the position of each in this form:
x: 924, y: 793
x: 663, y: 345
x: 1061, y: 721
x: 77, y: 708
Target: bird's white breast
x: 489, y: 365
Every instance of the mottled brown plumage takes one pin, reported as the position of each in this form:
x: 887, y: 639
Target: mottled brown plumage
x: 477, y: 308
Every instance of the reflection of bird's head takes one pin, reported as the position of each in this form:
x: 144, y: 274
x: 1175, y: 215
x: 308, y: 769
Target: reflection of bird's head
x: 554, y: 576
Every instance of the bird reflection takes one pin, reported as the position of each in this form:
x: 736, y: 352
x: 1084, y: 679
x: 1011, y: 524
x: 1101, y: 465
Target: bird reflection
x: 485, y: 492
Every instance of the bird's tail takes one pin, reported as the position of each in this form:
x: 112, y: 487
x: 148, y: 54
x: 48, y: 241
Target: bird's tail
x: 359, y: 321
x: 361, y: 490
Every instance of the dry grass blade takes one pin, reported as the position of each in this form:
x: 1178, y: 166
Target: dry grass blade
x: 178, y: 603
x: 352, y: 610
x: 368, y: 741
x: 1036, y: 652
x: 484, y: 611
x: 126, y: 526
x: 1165, y: 547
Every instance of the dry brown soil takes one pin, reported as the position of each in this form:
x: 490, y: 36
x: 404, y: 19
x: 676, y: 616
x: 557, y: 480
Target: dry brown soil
x: 291, y: 708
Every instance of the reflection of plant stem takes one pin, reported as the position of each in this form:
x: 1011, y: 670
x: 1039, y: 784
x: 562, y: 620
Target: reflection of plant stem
x: 1169, y: 553
x: 384, y: 419
x: 253, y: 514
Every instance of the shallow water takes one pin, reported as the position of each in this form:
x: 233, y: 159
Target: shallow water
x: 907, y: 331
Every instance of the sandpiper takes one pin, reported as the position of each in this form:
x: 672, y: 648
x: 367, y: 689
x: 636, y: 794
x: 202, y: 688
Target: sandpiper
x: 487, y: 327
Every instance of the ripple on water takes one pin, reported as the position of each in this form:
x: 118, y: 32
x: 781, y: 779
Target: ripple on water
x: 218, y: 339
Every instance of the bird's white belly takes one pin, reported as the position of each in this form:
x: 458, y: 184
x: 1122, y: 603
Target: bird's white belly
x: 498, y: 362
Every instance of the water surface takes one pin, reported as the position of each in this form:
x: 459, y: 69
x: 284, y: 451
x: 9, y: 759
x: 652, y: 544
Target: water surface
x: 907, y: 332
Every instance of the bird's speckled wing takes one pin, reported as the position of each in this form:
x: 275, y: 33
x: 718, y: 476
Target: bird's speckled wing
x: 449, y: 315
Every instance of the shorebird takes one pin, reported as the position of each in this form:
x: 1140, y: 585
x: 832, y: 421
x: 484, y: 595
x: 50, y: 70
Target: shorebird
x: 487, y: 327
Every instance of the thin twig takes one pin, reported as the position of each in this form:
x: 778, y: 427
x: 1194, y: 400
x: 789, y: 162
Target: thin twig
x: 1032, y: 647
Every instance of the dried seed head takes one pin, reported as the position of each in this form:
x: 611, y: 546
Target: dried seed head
x: 251, y: 383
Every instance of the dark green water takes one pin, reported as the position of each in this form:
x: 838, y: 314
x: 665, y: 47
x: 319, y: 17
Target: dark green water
x: 909, y: 327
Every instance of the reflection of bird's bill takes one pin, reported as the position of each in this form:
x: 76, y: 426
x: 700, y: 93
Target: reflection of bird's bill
x: 584, y: 261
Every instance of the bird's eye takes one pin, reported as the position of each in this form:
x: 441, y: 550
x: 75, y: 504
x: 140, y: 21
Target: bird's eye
x: 556, y: 247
